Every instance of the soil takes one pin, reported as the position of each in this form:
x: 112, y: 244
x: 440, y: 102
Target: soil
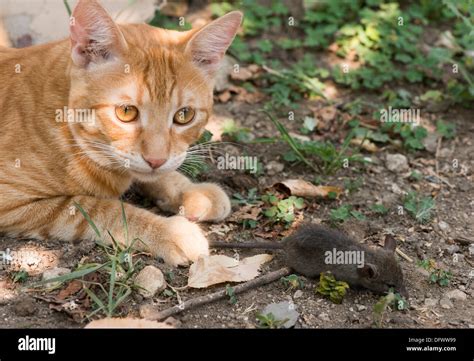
x: 449, y: 232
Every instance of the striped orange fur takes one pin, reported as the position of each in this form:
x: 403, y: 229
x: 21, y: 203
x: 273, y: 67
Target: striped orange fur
x: 50, y: 160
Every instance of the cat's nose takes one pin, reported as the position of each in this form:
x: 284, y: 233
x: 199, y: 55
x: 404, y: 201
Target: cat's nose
x: 155, y: 163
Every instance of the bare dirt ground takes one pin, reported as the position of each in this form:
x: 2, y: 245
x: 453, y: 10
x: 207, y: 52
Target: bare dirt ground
x: 446, y: 239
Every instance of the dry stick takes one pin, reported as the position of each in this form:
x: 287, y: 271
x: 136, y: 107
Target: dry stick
x: 152, y: 314
x: 403, y: 255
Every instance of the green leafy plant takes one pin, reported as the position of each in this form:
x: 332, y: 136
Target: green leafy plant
x: 230, y: 292
x: 236, y: 133
x: 446, y: 130
x: 328, y: 286
x: 344, y: 212
x: 419, y: 207
x: 282, y: 210
x: 292, y: 282
x: 379, y: 209
x: 437, y: 275
x: 252, y: 197
x: 353, y: 185
x: 20, y: 276
x: 416, y: 176
x: 390, y: 301
x: 269, y: 321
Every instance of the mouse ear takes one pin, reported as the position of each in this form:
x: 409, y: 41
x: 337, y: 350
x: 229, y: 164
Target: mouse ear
x: 390, y: 243
x: 368, y: 271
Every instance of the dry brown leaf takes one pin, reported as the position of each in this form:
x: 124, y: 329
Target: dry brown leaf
x: 367, y: 144
x: 328, y: 113
x: 224, y: 97
x: 71, y: 289
x: 243, y: 74
x: 211, y: 270
x: 249, y: 211
x: 250, y: 98
x: 301, y: 188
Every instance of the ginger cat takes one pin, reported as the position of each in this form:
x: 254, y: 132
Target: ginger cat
x: 140, y: 96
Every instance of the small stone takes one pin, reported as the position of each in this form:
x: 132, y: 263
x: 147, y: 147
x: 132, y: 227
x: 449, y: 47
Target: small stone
x: 445, y: 153
x: 25, y: 307
x: 298, y: 294
x: 150, y: 280
x: 452, y: 248
x: 431, y: 302
x: 446, y: 303
x: 324, y: 316
x: 361, y: 308
x: 457, y: 295
x: 396, y: 163
x: 173, y: 322
x: 431, y: 142
x: 283, y: 311
x: 471, y: 249
x: 54, y: 273
x: 397, y: 190
x: 458, y: 258
x: 443, y: 226
x: 273, y: 167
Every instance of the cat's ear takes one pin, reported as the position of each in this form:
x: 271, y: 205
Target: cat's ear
x: 94, y: 35
x: 208, y: 46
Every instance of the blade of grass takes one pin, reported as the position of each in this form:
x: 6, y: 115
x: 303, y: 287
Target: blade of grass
x: 73, y: 275
x: 291, y: 142
x: 68, y: 8
x: 125, y: 224
x: 88, y: 219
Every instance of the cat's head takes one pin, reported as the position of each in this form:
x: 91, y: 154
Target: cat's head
x: 149, y: 91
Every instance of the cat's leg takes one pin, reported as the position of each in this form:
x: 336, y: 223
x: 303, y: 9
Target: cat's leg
x: 175, y: 193
x: 175, y: 239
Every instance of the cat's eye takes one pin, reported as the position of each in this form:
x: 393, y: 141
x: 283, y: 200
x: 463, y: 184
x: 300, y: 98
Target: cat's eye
x: 126, y: 113
x: 184, y: 116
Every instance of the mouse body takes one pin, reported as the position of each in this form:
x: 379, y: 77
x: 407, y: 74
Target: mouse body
x: 314, y: 249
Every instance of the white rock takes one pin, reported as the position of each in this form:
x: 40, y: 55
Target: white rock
x: 431, y: 142
x: 150, y: 280
x: 298, y: 294
x: 446, y: 303
x: 452, y: 248
x: 274, y: 167
x: 431, y: 302
x: 397, y: 163
x: 324, y: 316
x: 443, y: 225
x: 283, y: 311
x: 457, y: 295
x: 361, y: 308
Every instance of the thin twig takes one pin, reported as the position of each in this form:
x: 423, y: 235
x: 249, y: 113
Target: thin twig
x: 149, y: 312
x: 403, y: 255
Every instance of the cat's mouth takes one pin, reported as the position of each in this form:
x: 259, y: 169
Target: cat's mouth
x: 143, y: 169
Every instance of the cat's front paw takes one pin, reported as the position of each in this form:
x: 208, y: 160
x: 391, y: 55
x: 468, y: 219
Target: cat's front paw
x: 205, y: 202
x: 182, y: 242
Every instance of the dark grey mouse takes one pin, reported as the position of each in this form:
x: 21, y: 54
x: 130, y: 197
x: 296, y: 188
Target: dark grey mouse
x: 313, y: 249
